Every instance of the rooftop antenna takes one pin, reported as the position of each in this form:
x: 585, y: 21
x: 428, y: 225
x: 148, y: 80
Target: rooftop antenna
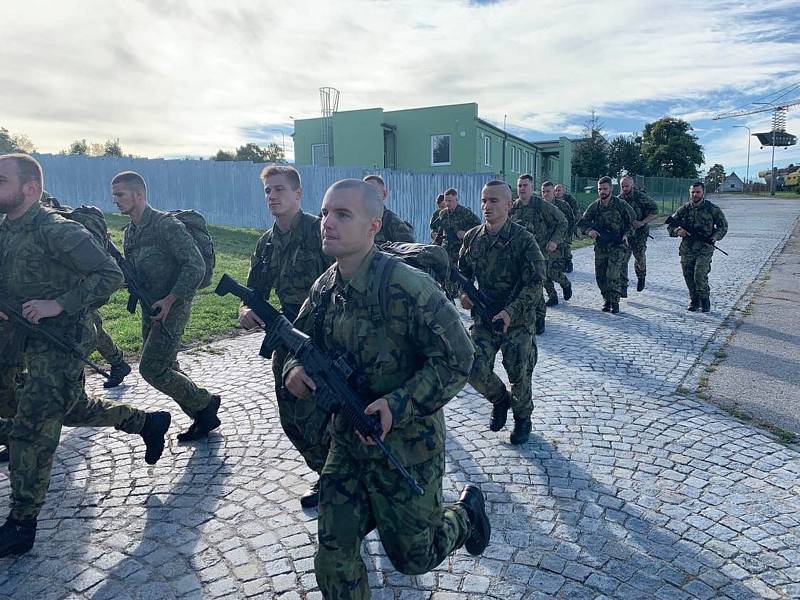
x: 329, y: 99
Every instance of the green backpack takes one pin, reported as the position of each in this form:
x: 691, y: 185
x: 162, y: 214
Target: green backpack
x: 91, y: 217
x: 431, y: 259
x: 197, y: 227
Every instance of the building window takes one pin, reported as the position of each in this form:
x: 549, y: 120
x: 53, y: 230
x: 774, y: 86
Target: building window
x: 319, y: 155
x: 487, y: 150
x: 440, y: 150
x: 515, y: 159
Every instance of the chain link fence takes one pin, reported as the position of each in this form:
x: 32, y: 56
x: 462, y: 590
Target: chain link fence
x: 668, y: 192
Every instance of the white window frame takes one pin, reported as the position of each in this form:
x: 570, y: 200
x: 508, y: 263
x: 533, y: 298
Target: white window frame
x: 487, y: 150
x: 449, y: 149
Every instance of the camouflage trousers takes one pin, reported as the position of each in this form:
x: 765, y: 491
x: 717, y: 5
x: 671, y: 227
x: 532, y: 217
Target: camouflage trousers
x: 556, y: 265
x: 356, y: 496
x: 159, y: 366
x: 105, y: 345
x: 696, y: 267
x: 302, y: 421
x: 637, y: 247
x: 8, y: 391
x: 609, y: 262
x: 51, y: 395
x: 519, y: 357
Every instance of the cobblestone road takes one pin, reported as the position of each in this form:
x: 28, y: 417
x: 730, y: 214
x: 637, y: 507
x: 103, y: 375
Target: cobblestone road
x: 630, y: 487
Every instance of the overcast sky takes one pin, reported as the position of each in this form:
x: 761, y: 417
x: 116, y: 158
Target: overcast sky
x: 186, y: 78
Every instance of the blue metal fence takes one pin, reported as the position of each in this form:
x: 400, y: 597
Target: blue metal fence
x: 230, y: 193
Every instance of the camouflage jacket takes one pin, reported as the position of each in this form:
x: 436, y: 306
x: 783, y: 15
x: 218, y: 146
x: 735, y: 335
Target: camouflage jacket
x: 612, y: 220
x: 394, y: 229
x: 543, y: 220
x: 289, y: 262
x: 163, y: 255
x: 418, y: 357
x: 461, y: 219
x: 566, y: 210
x: 573, y: 204
x: 435, y: 227
x: 44, y: 256
x: 508, y: 266
x: 642, y: 205
x: 706, y: 220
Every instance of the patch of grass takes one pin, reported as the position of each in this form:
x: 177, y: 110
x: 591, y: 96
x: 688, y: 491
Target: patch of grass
x: 212, y: 316
x: 682, y: 391
x: 720, y: 353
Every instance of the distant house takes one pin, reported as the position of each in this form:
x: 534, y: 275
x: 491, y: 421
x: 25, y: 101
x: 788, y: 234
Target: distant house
x: 731, y: 183
x: 450, y: 138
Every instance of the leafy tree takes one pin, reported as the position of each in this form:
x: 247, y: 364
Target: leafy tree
x: 670, y: 149
x: 590, y: 157
x: 79, y: 147
x: 625, y: 155
x: 15, y: 143
x: 222, y: 155
x: 274, y: 153
x: 112, y: 148
x: 715, y: 177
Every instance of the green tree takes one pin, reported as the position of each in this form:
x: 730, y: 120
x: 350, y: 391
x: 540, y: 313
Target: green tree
x: 222, y: 155
x: 254, y: 153
x: 590, y: 157
x: 625, y: 155
x: 112, y: 148
x: 79, y: 147
x: 715, y: 177
x: 670, y: 148
x: 15, y: 143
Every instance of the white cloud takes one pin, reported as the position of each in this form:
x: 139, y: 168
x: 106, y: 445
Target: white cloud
x: 172, y: 78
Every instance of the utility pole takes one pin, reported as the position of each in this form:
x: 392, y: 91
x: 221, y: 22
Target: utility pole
x: 749, y: 135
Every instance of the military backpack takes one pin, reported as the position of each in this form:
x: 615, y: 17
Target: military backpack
x: 197, y: 227
x: 91, y: 217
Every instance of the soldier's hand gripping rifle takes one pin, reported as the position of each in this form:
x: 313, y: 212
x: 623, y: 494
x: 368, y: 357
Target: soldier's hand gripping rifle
x: 604, y: 234
x: 480, y: 302
x: 135, y: 290
x: 333, y: 393
x: 66, y: 345
x: 671, y: 220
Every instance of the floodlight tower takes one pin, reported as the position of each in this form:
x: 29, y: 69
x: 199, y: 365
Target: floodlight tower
x: 329, y: 99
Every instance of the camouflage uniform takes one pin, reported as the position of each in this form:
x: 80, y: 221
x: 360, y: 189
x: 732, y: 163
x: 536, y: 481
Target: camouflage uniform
x: 708, y: 220
x: 461, y: 219
x: 52, y: 393
x: 509, y: 268
x: 615, y: 218
x: 643, y: 206
x: 436, y: 228
x: 166, y: 260
x: 558, y: 260
x: 547, y: 224
x: 576, y: 211
x: 417, y: 355
x: 394, y: 229
x: 289, y: 263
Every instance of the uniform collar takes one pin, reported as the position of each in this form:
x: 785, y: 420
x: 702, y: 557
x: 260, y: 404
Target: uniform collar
x: 26, y: 219
x: 148, y: 215
x: 503, y: 234
x: 362, y: 277
x: 292, y: 226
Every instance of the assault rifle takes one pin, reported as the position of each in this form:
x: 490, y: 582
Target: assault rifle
x: 135, y: 291
x: 451, y: 234
x: 480, y: 302
x: 671, y: 220
x: 606, y: 235
x: 333, y: 392
x: 64, y: 344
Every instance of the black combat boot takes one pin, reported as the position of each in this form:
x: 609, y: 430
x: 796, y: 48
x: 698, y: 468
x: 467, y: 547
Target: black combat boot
x: 310, y: 497
x: 17, y: 536
x: 568, y: 268
x: 624, y: 292
x: 522, y: 431
x: 155, y: 428
x: 205, y: 421
x: 539, y: 325
x: 694, y: 304
x: 640, y: 283
x: 500, y: 412
x: 118, y: 373
x: 552, y: 301
x: 567, y: 289
x: 606, y: 306
x: 614, y: 308
x: 705, y: 304
x: 4, y: 455
x: 480, y: 528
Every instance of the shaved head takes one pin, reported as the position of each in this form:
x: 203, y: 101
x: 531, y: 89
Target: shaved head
x: 504, y: 190
x: 372, y: 203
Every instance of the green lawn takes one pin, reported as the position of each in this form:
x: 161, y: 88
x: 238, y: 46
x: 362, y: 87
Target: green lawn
x: 211, y: 315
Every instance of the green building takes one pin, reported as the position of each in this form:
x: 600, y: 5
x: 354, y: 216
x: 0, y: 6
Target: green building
x: 450, y: 138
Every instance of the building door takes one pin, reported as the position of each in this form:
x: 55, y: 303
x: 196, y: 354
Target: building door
x: 389, y: 149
